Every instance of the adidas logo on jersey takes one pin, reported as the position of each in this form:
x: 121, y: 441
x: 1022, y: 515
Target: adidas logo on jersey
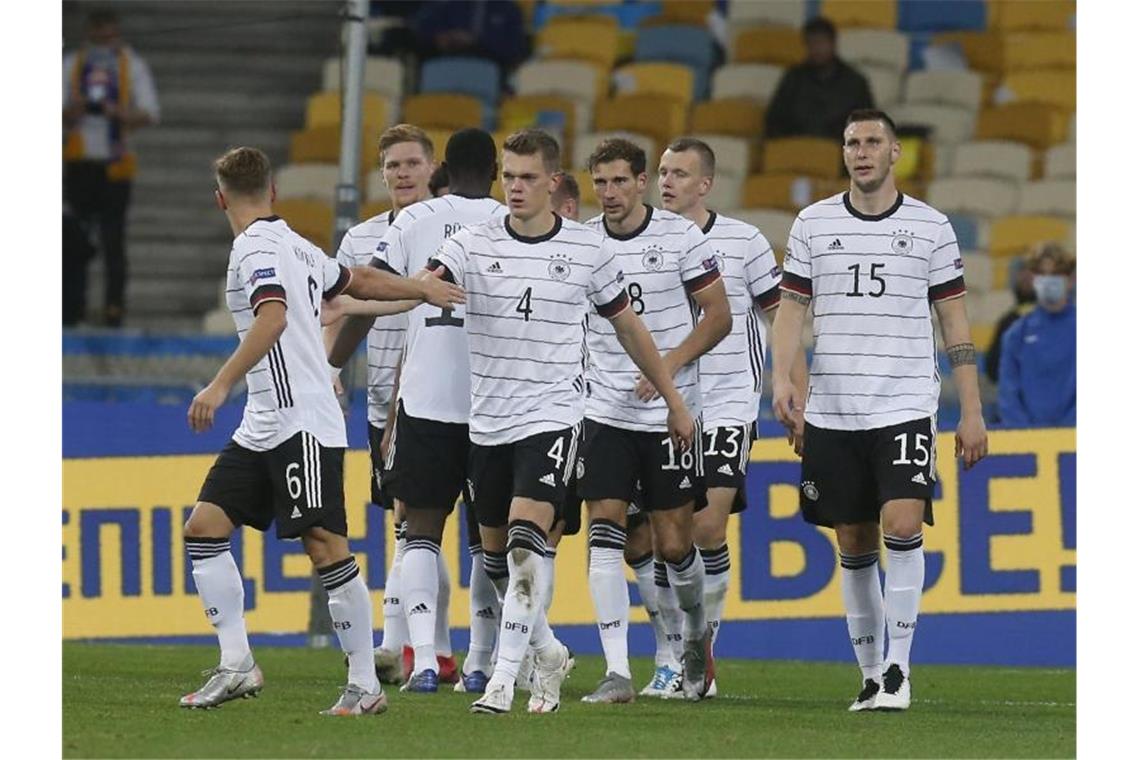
x: 548, y: 479
x: 725, y: 469
x: 419, y: 609
x: 296, y: 512
x: 835, y: 245
x: 685, y: 483
x: 918, y: 479
x: 495, y: 268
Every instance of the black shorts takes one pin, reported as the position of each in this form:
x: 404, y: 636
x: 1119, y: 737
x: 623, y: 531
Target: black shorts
x: 380, y: 495
x: 427, y: 462
x: 299, y: 484
x: 726, y: 453
x: 637, y: 466
x: 849, y: 474
x: 571, y: 515
x: 537, y: 467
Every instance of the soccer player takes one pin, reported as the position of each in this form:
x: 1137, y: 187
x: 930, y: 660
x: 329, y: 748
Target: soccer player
x: 873, y: 261
x: 532, y: 277
x: 566, y: 197
x: 731, y: 373
x: 406, y: 160
x: 427, y: 459
x: 671, y: 273
x: 285, y: 463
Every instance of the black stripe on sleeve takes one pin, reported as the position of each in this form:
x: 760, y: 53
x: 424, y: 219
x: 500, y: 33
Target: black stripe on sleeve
x: 434, y: 264
x: 614, y: 307
x: 382, y: 265
x: 341, y: 283
x: 949, y: 289
x: 795, y: 283
x: 701, y: 281
x: 270, y: 292
x: 768, y: 299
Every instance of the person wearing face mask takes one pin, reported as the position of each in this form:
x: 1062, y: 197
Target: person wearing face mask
x: 108, y: 92
x: 1038, y: 385
x: 1021, y: 284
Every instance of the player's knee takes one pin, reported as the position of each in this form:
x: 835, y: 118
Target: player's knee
x: 902, y: 527
x: 708, y: 534
x: 205, y: 523
x: 858, y: 538
x: 324, y: 547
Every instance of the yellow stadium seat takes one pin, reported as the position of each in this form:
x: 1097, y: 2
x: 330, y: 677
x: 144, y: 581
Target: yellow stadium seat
x: 825, y: 188
x: 443, y: 111
x: 324, y: 108
x: 780, y: 45
x: 1052, y: 87
x: 374, y: 208
x: 322, y: 144
x: 812, y: 156
x: 311, y: 219
x: 785, y: 191
x: 694, y: 12
x: 739, y: 117
x: 881, y: 14
x: 1019, y: 15
x: 981, y: 335
x: 660, y: 118
x: 1035, y: 124
x: 671, y: 80
x: 589, y: 38
x: 1040, y: 50
x: 527, y: 110
x: 586, y: 188
x: 984, y: 51
x: 1012, y: 235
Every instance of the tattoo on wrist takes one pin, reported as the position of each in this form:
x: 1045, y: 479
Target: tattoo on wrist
x: 961, y: 354
x: 799, y: 298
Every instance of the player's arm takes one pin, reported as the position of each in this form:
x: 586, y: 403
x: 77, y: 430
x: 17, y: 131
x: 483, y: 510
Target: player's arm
x: 799, y: 370
x: 788, y: 397
x: 371, y: 283
x: 390, y: 421
x: 346, y: 306
x: 268, y: 324
x: 970, y: 443
x: 638, y: 343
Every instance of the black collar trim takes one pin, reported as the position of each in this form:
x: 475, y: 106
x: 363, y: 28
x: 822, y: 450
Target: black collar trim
x: 538, y: 238
x: 871, y: 217
x: 709, y: 224
x: 641, y: 228
x: 272, y: 218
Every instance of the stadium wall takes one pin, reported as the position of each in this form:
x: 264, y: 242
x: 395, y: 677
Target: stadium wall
x: 1000, y: 578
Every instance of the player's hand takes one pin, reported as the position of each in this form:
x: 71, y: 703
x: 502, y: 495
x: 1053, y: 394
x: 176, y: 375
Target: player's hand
x: 385, y: 442
x: 440, y: 293
x: 681, y: 427
x: 786, y: 402
x: 647, y: 391
x: 971, y: 443
x: 202, y: 408
x: 332, y: 310
x: 796, y: 434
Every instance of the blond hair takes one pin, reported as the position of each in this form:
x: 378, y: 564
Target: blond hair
x: 403, y: 133
x: 243, y: 171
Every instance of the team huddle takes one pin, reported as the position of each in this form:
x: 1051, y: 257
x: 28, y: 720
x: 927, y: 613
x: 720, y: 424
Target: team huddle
x: 532, y: 364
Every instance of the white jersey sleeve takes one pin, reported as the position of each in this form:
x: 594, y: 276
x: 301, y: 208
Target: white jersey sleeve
x: 761, y: 272
x: 946, y: 271
x: 453, y: 255
x: 391, y: 252
x: 605, y: 289
x: 699, y: 267
x: 797, y: 260
x: 256, y: 264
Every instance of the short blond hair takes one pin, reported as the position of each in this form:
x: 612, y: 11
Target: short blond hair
x: 403, y: 133
x: 1064, y: 262
x: 243, y: 171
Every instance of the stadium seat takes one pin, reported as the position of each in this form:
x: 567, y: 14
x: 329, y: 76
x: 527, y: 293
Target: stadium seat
x: 1036, y: 124
x: 585, y: 144
x: 733, y: 155
x: 311, y: 181
x: 878, y: 14
x: 624, y: 15
x: 555, y: 113
x: 324, y: 108
x: 1051, y: 87
x: 993, y: 158
x: 948, y: 124
x: 310, y: 218
x: 443, y: 111
x: 464, y: 75
x: 694, y: 12
x: 374, y: 208
x: 885, y: 83
x: 322, y: 145
x: 811, y: 156
x: 953, y: 88
x: 1032, y: 51
x: 1049, y: 197
x: 786, y: 191
x: 987, y: 307
x: 1017, y: 15
x: 661, y: 119
x: 979, y: 196
x: 791, y: 13
x: 679, y: 43
x: 880, y: 47
x: 725, y: 192
x: 757, y: 81
x: 671, y: 80
x: 774, y: 224
x: 984, y: 50
x: 967, y: 229
x: 1012, y: 235
x: 1061, y: 161
x: 779, y: 45
x: 384, y: 76
x: 821, y: 189
x: 978, y: 268
x: 1071, y: 131
x: 580, y: 39
x: 578, y: 79
x: 925, y: 16
x: 740, y: 117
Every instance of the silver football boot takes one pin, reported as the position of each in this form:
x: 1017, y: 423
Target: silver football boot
x: 613, y: 689
x: 696, y: 667
x: 356, y: 701
x: 223, y: 685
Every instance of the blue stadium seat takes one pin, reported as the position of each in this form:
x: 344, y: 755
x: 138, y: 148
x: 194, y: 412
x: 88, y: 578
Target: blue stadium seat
x: 628, y: 15
x: 462, y: 75
x: 926, y: 16
x: 966, y: 230
x: 679, y: 43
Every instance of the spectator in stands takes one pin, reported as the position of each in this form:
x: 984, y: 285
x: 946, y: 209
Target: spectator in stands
x: 566, y: 197
x: 1038, y: 385
x: 108, y: 92
x: 77, y: 251
x: 440, y: 183
x: 490, y: 29
x: 814, y: 98
x: 1021, y: 283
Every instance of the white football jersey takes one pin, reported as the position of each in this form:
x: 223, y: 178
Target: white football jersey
x: 732, y: 372
x: 526, y: 299
x: 663, y: 261
x: 289, y: 389
x: 386, y: 338
x: 435, y: 383
x: 872, y: 280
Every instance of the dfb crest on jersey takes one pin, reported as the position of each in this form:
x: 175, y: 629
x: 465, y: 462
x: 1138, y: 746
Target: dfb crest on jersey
x: 653, y: 259
x: 902, y: 242
x: 559, y: 268
x: 810, y: 490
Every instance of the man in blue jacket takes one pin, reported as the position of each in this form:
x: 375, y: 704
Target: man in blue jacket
x: 1038, y: 379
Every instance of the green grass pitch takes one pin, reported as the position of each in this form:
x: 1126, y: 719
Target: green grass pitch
x: 122, y: 701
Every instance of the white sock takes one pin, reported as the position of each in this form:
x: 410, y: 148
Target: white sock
x: 443, y: 600
x: 395, y: 624
x: 610, y: 593
x: 484, y: 616
x: 526, y: 546
x: 671, y: 617
x: 643, y: 569
x: 717, y: 565
x: 863, y: 602
x: 218, y: 581
x: 906, y: 571
x: 350, y: 608
x: 421, y: 587
x: 548, y: 585
x: 687, y: 578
